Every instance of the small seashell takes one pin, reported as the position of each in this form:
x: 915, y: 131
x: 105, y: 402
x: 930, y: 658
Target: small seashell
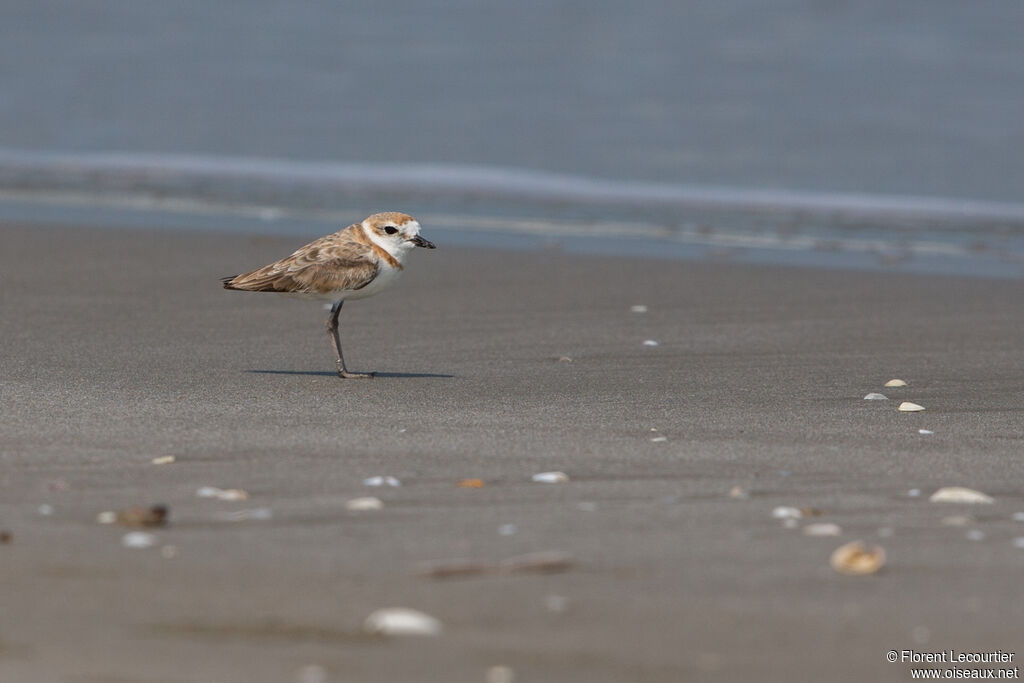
x: 154, y: 515
x: 401, y: 621
x: 650, y: 342
x: 106, y: 517
x: 638, y: 308
x: 564, y: 359
x: 876, y: 397
x: 908, y: 407
x: 856, y: 559
x: 739, y: 493
x: 658, y: 439
x: 221, y: 494
x: 786, y: 512
x: 957, y: 520
x: 822, y: 529
x: 163, y: 460
x: 471, y: 484
x: 366, y: 503
x: 959, y: 494
x: 895, y: 383
x: 500, y: 674
x: 925, y: 431
x: 381, y: 481
x: 551, y: 477
x: 138, y: 539
x: 975, y: 535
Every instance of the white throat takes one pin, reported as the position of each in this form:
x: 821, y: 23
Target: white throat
x: 397, y: 249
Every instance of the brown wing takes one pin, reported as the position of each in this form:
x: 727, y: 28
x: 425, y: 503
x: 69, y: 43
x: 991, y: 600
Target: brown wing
x: 329, y: 264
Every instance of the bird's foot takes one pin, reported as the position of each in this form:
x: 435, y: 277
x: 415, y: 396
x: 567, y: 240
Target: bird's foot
x: 345, y: 374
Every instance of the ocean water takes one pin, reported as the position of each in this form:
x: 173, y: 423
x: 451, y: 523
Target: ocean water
x: 820, y: 132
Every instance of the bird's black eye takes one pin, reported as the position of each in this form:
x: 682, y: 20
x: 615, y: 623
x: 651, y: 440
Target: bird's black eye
x: 390, y: 229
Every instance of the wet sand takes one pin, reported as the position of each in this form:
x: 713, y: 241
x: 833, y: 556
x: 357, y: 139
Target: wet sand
x: 120, y: 346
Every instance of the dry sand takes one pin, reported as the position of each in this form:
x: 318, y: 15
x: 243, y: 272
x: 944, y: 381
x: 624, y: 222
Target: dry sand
x: 119, y: 347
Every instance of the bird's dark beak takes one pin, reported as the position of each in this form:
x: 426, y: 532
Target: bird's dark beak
x: 420, y: 242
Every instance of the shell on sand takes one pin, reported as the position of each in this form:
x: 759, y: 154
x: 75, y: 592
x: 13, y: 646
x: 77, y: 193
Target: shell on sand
x: 895, y: 383
x: 366, y: 503
x: 959, y: 494
x: 856, y: 559
x: 401, y: 621
x: 908, y: 407
x: 873, y: 396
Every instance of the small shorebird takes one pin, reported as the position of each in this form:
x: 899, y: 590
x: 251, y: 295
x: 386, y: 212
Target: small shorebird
x: 353, y: 263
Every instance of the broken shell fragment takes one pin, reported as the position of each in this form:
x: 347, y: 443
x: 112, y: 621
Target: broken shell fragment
x: 551, y: 477
x: 471, y: 484
x: 822, y: 529
x: 106, y: 517
x: 381, y: 481
x: 401, y: 621
x: 895, y: 383
x: 658, y: 439
x: 221, y: 494
x: 366, y: 503
x: 138, y: 539
x: 959, y: 494
x: 856, y: 559
x: 163, y: 460
x: 908, y: 407
x: 926, y: 432
x: 154, y: 515
x: 876, y: 397
x: 650, y: 342
x: 739, y: 493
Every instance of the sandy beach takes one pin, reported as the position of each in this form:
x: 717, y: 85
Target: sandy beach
x: 121, y: 347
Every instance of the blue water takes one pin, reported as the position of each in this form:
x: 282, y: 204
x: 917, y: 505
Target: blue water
x: 844, y: 104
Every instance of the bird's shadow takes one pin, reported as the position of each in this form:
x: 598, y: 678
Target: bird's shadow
x: 326, y: 373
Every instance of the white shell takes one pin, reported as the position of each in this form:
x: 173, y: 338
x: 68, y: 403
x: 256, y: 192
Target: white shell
x: 221, y: 494
x: 138, y: 539
x: 959, y: 494
x: 908, y: 407
x: 401, y: 621
x: 106, y: 517
x: 382, y: 481
x: 163, y: 460
x: 786, y: 512
x: 551, y: 477
x: 659, y: 439
x: 926, y: 432
x: 639, y: 308
x: 876, y: 397
x: 822, y: 529
x: 895, y: 383
x: 650, y: 342
x: 367, y: 503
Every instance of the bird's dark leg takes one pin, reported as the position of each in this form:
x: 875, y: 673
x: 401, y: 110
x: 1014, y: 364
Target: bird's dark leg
x: 332, y: 330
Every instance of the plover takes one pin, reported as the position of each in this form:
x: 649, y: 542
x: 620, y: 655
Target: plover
x: 353, y: 263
